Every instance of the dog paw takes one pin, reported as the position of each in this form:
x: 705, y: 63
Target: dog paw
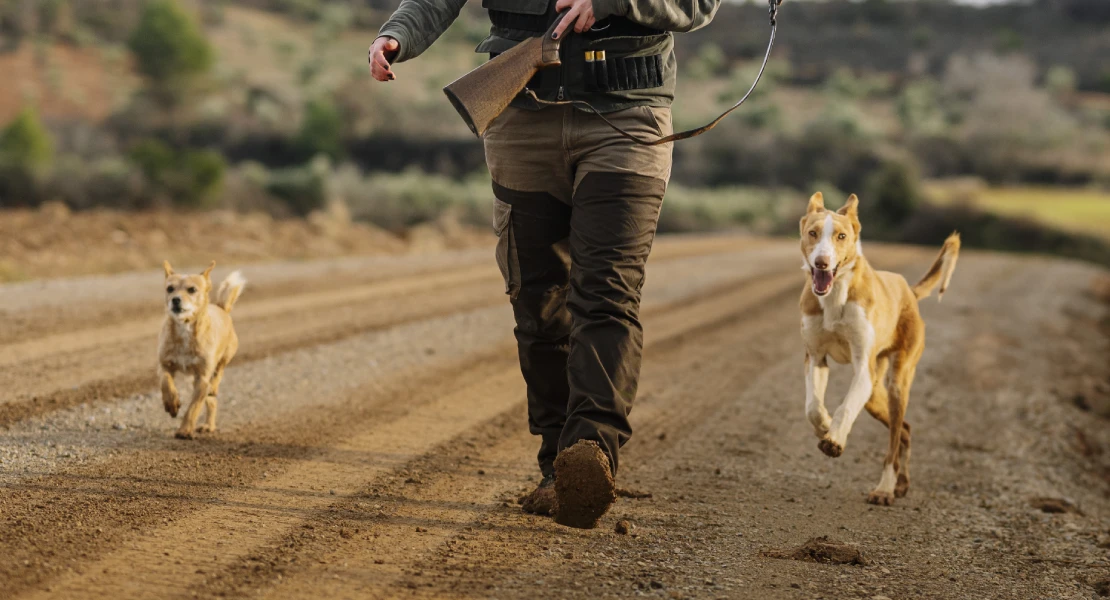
x: 183, y: 435
x: 172, y: 406
x: 830, y: 448
x: 880, y: 498
x: 902, y: 487
x: 206, y: 429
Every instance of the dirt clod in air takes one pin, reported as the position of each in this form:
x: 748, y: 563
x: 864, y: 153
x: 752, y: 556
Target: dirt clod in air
x: 1054, y: 505
x: 633, y: 494
x: 583, y: 485
x: 623, y: 527
x: 822, y: 550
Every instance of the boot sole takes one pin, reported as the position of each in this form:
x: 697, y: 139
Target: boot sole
x: 583, y: 485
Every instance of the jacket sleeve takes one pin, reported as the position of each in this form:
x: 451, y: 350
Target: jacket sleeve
x: 668, y: 15
x: 416, y: 24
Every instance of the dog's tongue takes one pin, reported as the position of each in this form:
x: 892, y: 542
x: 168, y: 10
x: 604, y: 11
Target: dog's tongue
x: 822, y: 281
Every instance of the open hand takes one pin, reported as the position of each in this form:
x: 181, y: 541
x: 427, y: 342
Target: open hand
x: 381, y: 52
x: 580, y: 13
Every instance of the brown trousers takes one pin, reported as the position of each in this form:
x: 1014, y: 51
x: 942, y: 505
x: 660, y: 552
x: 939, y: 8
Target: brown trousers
x: 576, y: 208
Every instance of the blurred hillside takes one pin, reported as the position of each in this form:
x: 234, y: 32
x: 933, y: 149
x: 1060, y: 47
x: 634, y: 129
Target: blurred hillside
x: 267, y: 105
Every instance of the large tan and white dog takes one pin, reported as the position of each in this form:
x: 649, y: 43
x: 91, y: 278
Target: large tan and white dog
x: 198, y: 339
x: 870, y: 320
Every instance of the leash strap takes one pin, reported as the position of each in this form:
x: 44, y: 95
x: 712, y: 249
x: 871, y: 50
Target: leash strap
x: 682, y: 135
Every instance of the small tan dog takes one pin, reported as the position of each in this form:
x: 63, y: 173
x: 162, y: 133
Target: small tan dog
x: 869, y: 319
x: 198, y: 339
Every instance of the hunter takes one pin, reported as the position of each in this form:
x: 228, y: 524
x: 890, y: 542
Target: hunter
x: 576, y: 206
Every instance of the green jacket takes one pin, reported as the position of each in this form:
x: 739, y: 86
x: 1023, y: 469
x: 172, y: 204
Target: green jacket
x: 635, y: 35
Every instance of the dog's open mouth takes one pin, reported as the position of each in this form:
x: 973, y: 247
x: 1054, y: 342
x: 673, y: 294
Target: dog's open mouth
x: 823, y: 280
x: 176, y: 310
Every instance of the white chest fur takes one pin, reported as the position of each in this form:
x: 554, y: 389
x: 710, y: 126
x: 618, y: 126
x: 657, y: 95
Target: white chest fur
x: 839, y: 328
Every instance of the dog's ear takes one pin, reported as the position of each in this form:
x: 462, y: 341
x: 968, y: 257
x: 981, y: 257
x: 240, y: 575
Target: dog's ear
x: 208, y: 273
x: 851, y: 210
x: 816, y: 203
x: 166, y: 266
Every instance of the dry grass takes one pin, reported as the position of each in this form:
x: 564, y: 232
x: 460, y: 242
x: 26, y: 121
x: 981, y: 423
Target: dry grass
x: 1078, y: 210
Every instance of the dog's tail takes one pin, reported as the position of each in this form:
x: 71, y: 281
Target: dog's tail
x: 229, y: 291
x: 941, y: 271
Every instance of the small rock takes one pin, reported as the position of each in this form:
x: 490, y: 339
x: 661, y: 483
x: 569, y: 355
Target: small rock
x: 332, y: 492
x: 656, y: 585
x: 623, y: 527
x: 481, y: 471
x: 119, y: 426
x: 421, y: 530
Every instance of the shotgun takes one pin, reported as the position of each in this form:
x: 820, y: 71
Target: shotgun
x: 483, y: 94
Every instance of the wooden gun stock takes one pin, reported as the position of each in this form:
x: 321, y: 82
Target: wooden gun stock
x: 484, y: 93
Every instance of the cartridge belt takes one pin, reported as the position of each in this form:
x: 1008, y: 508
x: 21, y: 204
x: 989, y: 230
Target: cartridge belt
x: 603, y: 74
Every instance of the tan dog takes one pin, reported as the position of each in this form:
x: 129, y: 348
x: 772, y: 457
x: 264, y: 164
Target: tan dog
x: 198, y: 339
x: 869, y: 319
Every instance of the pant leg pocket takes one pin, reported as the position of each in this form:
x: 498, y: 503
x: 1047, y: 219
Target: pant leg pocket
x: 506, y: 252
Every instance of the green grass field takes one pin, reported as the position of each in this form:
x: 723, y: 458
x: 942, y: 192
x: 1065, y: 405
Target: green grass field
x: 1079, y: 210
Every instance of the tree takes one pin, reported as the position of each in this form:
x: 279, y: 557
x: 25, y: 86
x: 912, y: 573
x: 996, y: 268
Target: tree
x: 25, y: 143
x: 171, y: 51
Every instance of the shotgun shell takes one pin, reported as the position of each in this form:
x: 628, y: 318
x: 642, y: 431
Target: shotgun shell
x: 602, y: 72
x: 590, y: 75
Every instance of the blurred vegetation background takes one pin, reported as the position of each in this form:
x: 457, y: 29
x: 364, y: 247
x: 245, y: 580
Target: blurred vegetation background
x: 991, y: 120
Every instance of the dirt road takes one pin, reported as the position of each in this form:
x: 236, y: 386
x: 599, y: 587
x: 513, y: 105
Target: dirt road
x: 373, y: 442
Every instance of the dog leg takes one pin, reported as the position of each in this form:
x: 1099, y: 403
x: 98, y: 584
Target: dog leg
x: 817, y: 380
x: 859, y: 392
x: 885, y: 492
x: 171, y: 401
x: 210, y: 403
x: 903, y: 485
x: 189, y: 421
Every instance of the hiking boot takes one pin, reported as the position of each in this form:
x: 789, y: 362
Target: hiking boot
x: 542, y: 500
x: 584, y: 487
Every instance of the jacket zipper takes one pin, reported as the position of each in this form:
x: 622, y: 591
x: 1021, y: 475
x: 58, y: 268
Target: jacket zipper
x: 562, y: 72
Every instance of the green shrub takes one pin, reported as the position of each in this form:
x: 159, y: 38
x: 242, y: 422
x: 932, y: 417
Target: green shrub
x: 322, y: 130
x: 25, y: 143
x: 190, y: 178
x: 169, y: 48
x: 303, y: 189
x: 202, y: 173
x: 890, y: 195
x: 153, y: 157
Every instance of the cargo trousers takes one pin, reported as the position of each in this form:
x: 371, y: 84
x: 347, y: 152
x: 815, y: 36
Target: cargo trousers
x: 576, y: 210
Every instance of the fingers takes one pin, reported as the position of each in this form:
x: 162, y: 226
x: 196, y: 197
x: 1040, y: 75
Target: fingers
x: 584, y: 23
x: 568, y: 20
x: 380, y: 68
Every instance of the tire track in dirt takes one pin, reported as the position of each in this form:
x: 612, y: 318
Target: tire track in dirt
x: 82, y: 367
x: 39, y: 309
x: 145, y: 463
x: 456, y: 496
x: 747, y: 477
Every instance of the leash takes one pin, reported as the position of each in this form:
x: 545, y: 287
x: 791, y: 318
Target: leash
x: 773, y: 12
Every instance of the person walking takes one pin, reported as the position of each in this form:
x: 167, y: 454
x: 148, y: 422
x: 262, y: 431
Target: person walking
x: 576, y: 206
